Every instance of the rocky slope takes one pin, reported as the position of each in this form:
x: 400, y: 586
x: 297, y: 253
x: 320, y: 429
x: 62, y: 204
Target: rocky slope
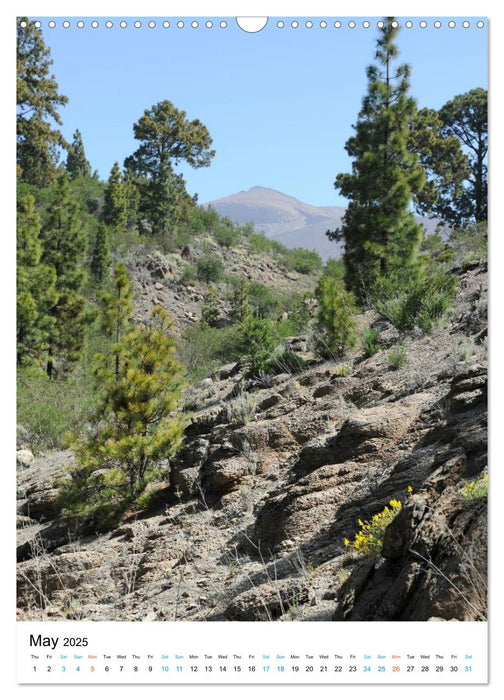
x: 159, y: 279
x: 274, y: 475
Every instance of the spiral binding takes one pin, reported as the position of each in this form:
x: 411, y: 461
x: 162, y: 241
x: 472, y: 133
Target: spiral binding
x: 217, y: 23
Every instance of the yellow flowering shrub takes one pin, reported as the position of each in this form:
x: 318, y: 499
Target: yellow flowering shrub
x: 368, y: 541
x: 477, y: 488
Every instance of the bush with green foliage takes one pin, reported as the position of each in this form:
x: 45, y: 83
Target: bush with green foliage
x: 258, y: 338
x: 371, y: 341
x: 337, y: 324
x: 469, y: 243
x: 410, y: 301
x: 210, y: 312
x: 306, y: 262
x: 259, y: 243
x: 287, y: 362
x: 209, y: 267
x: 189, y: 273
x: 226, y: 233
x: 398, y: 356
x: 50, y: 409
x: 476, y: 488
x: 204, y: 219
x: 203, y: 349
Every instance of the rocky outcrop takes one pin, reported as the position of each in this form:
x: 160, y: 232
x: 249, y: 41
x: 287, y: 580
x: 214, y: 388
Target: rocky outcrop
x: 274, y: 476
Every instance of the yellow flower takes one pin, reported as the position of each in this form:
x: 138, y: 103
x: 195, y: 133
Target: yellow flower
x: 346, y: 542
x: 410, y: 489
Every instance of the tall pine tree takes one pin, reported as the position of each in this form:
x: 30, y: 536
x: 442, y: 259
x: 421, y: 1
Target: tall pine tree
x: 166, y: 138
x: 379, y: 230
x: 115, y: 208
x: 116, y: 311
x: 36, y: 293
x: 38, y: 101
x: 466, y: 119
x: 64, y: 243
x: 100, y: 257
x: 77, y: 164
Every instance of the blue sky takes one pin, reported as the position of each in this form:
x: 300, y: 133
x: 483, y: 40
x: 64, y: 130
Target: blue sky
x: 279, y: 104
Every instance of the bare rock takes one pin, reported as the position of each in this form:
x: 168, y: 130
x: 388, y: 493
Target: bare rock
x: 268, y: 601
x: 37, y: 486
x: 221, y: 477
x: 24, y: 458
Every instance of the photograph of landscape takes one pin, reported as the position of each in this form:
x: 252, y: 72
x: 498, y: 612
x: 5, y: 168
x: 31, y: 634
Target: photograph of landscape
x: 252, y: 319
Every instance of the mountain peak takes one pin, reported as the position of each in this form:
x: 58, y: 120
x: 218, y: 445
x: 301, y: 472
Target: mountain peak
x: 283, y: 218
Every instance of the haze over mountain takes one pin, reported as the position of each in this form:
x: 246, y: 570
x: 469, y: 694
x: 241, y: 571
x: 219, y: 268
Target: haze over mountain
x: 287, y: 220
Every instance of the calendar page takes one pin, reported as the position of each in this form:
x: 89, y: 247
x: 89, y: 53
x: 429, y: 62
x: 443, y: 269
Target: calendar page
x: 252, y: 347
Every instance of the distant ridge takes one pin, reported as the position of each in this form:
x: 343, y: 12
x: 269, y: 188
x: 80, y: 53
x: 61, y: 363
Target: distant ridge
x: 287, y: 220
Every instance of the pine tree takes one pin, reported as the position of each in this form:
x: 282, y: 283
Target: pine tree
x: 210, y: 311
x: 116, y: 312
x: 38, y: 101
x: 241, y: 302
x: 36, y: 292
x: 379, y: 230
x: 134, y: 424
x: 115, y: 209
x: 466, y: 119
x: 64, y: 242
x: 100, y: 258
x: 77, y: 164
x: 166, y: 138
x: 336, y: 317
x: 445, y: 165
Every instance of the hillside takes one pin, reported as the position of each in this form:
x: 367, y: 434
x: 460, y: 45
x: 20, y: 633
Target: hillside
x: 275, y: 475
x: 288, y: 220
x: 171, y: 279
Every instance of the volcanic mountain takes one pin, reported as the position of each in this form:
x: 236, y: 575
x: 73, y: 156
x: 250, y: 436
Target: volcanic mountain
x: 285, y: 219
x: 289, y: 221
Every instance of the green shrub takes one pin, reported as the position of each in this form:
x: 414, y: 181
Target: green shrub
x: 263, y: 300
x: 49, y: 410
x: 336, y: 318
x: 285, y: 362
x: 226, y: 234
x: 259, y: 243
x: 172, y: 240
x: 408, y: 300
x: 242, y: 409
x: 189, y: 273
x: 470, y: 243
x: 335, y: 269
x: 258, y: 340
x: 371, y: 341
x: 210, y: 268
x: 299, y: 312
x: 306, y: 262
x: 398, y: 356
x: 204, y: 219
x: 203, y: 349
x: 210, y: 311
